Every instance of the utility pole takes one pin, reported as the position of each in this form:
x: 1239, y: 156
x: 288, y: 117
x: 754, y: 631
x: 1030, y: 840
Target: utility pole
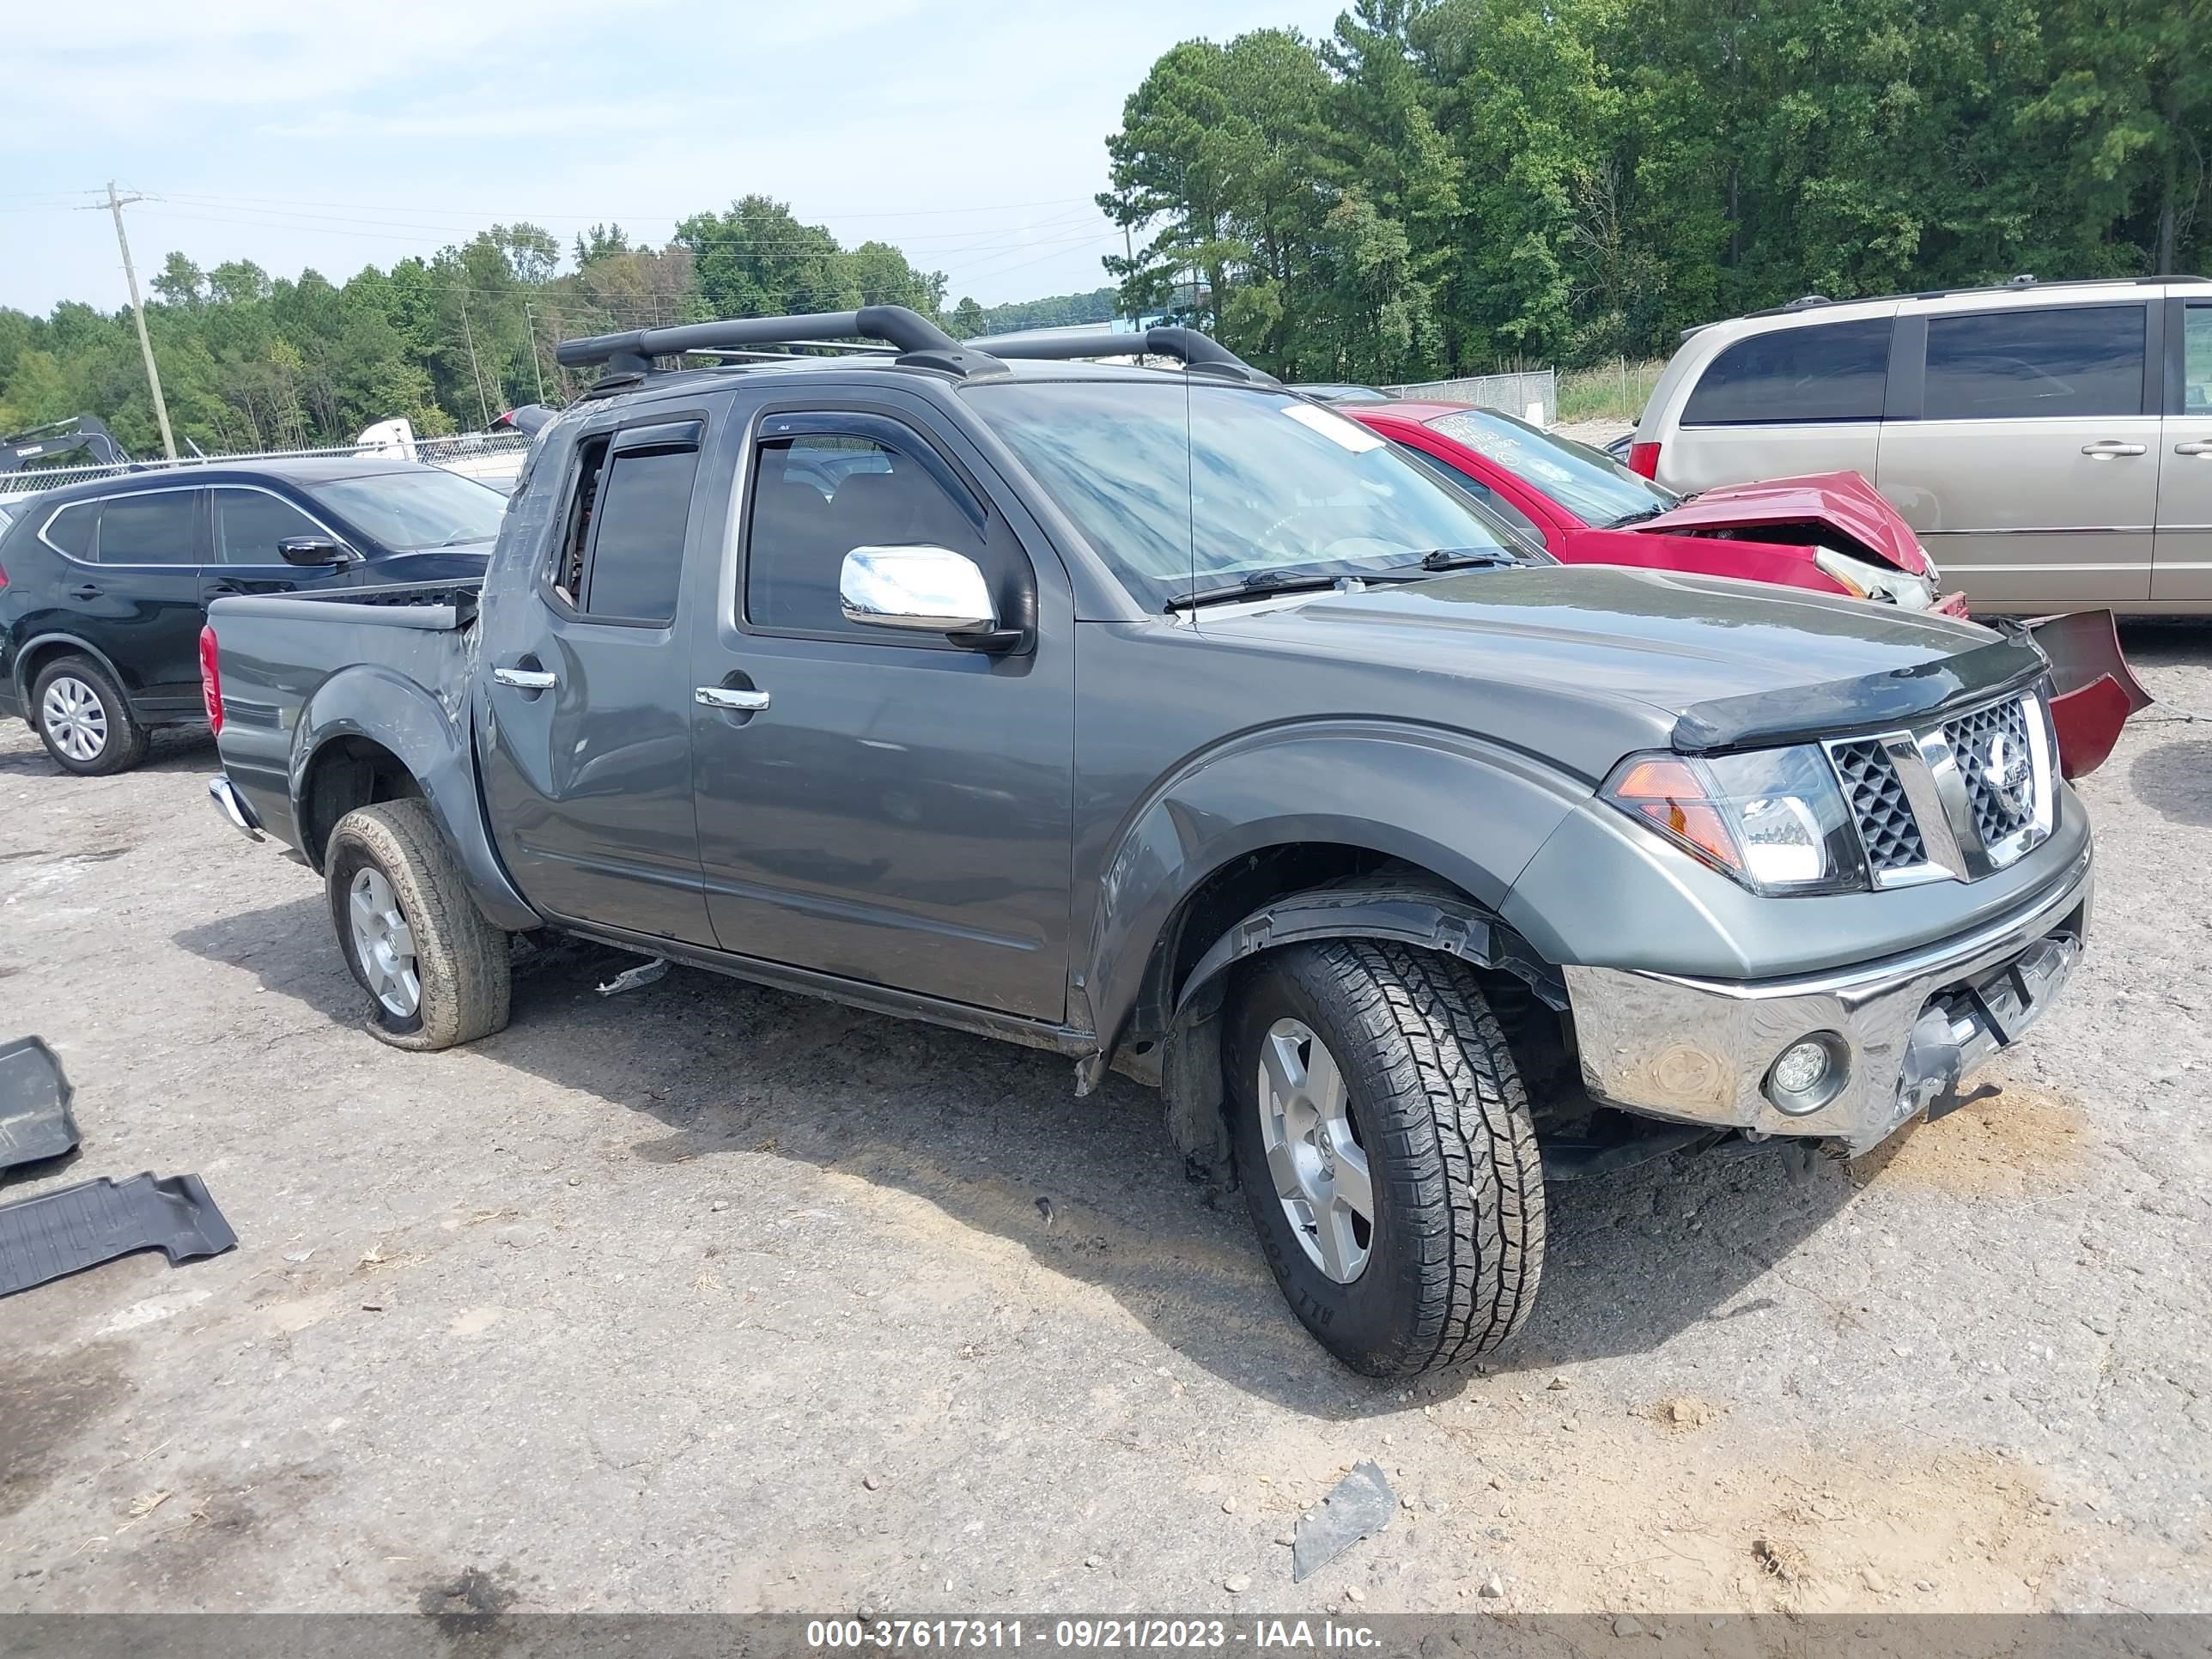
x: 115, y: 205
x: 537, y: 374
x: 483, y: 409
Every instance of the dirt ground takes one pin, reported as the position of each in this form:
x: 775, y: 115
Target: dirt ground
x: 707, y: 1297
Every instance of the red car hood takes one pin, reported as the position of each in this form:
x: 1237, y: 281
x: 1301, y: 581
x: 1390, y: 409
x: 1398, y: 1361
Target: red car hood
x: 1845, y: 500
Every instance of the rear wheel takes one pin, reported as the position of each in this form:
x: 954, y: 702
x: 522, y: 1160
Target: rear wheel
x: 436, y: 972
x: 1384, y: 1145
x: 84, y: 719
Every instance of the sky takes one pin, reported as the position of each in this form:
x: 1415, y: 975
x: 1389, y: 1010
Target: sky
x: 330, y: 136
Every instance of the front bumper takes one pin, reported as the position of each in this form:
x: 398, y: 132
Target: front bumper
x: 1907, y: 1030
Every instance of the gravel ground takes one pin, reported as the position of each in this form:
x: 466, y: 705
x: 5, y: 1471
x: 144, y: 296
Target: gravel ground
x: 707, y: 1297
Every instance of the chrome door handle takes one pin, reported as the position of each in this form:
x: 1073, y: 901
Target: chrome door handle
x: 2201, y: 447
x: 527, y: 679
x: 2105, y: 449
x: 730, y: 696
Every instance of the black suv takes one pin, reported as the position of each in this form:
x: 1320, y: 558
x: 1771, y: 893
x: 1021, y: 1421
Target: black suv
x: 104, y: 585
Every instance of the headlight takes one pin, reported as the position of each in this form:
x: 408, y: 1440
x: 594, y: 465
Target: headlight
x: 1868, y: 581
x: 1773, y: 819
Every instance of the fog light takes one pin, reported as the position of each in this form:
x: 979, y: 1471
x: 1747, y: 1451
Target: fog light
x: 1807, y: 1074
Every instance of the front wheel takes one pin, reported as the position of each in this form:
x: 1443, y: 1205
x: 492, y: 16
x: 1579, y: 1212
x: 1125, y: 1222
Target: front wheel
x: 436, y: 972
x: 1384, y: 1144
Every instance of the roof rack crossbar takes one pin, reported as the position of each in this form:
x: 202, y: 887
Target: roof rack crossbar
x: 1196, y: 351
x: 907, y: 331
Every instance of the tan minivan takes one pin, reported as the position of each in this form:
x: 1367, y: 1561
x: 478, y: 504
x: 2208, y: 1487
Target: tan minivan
x: 2050, y: 443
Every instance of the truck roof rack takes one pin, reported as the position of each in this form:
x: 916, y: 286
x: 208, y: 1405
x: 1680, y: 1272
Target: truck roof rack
x: 1196, y: 351
x: 917, y: 341
x: 905, y: 336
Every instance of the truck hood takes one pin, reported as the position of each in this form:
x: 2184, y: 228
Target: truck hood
x: 1586, y: 662
x: 1841, y: 502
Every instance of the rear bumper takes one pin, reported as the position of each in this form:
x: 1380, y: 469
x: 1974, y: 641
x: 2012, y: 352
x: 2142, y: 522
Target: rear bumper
x: 235, y: 806
x: 1903, y: 1032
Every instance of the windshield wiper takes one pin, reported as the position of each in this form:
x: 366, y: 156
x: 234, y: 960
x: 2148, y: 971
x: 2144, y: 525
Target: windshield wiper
x: 1259, y: 581
x: 1636, y: 517
x: 1464, y: 558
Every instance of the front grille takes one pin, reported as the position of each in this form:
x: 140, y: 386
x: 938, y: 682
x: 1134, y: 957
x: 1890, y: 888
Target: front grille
x: 1991, y: 747
x: 1887, y: 829
x: 1978, y: 811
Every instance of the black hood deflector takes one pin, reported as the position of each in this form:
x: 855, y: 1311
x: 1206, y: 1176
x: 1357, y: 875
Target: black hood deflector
x: 1871, y: 702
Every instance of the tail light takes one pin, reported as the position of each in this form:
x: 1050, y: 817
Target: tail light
x: 1644, y: 459
x: 211, y: 681
x: 4, y: 575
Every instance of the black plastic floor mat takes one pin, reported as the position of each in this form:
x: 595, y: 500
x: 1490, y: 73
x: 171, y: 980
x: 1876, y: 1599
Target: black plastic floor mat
x: 62, y: 1232
x: 35, y: 1123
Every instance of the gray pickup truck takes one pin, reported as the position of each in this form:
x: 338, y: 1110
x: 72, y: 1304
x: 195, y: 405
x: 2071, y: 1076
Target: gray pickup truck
x: 1165, y: 719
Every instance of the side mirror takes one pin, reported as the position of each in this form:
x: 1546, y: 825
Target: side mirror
x: 313, y: 550
x: 929, y: 590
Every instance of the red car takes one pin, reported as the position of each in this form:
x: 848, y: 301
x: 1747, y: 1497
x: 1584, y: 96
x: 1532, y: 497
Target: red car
x: 1831, y: 533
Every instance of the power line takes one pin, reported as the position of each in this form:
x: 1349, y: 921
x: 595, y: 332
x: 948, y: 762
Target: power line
x: 772, y: 246
x: 633, y: 214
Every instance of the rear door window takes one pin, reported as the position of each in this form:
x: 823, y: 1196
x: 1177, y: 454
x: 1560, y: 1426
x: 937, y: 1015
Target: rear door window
x: 2072, y: 361
x: 637, y: 557
x: 2196, y: 360
x: 249, y: 526
x: 1823, y: 372
x: 161, y: 528
x: 70, y: 531
x: 622, y: 556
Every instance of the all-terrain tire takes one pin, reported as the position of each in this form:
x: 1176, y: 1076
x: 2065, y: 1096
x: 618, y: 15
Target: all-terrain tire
x: 1456, y: 1242
x: 460, y: 959
x: 123, y: 738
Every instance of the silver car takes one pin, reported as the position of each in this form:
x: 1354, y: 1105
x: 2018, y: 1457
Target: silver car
x: 2052, y: 443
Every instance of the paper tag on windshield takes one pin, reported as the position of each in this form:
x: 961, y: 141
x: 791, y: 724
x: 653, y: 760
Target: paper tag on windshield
x: 1346, y: 434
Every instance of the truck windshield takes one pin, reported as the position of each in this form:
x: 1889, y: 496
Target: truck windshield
x: 410, y: 511
x: 1588, y: 483
x: 1182, y: 485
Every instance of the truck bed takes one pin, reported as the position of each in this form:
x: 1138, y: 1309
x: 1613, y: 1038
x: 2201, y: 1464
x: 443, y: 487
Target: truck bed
x: 395, y: 659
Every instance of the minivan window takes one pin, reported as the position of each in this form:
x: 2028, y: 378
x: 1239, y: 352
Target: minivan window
x: 2196, y: 360
x: 70, y: 529
x: 249, y: 524
x: 2018, y: 365
x: 1182, y: 484
x: 1820, y: 371
x: 156, y: 529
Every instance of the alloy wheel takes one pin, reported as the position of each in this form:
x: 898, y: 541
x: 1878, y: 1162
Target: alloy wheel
x: 383, y: 943
x: 1314, y: 1150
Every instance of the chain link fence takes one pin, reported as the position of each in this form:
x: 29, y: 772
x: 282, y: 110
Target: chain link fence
x: 493, y: 458
x: 1533, y: 396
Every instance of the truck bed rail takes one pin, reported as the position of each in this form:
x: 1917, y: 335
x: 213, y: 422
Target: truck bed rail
x: 435, y: 606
